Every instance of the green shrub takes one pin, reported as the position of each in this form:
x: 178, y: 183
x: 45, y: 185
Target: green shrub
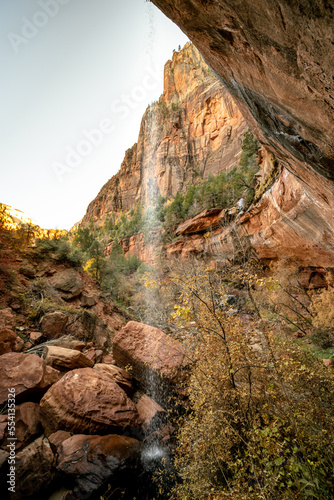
x: 249, y: 148
x: 63, y: 250
x: 84, y: 239
x: 118, y: 275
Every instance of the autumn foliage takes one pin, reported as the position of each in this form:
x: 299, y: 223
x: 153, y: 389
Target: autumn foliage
x: 261, y: 417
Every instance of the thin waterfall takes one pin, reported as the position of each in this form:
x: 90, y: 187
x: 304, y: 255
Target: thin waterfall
x: 154, y: 452
x: 152, y: 231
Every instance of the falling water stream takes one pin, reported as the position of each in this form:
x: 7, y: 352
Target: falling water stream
x: 154, y: 453
x: 138, y: 483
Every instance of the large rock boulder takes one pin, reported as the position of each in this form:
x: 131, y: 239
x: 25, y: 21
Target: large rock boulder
x: 3, y: 426
x: 27, y: 423
x: 3, y: 459
x: 51, y: 376
x: 68, y: 283
x: 88, y: 401
x: 66, y: 359
x: 26, y: 373
x: 88, y: 300
x: 90, y: 460
x: 27, y: 270
x: 157, y: 360
x: 53, y: 324
x: 35, y: 337
x: 57, y: 438
x: 34, y: 470
x: 120, y: 376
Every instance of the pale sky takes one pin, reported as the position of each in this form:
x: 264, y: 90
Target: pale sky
x: 77, y: 76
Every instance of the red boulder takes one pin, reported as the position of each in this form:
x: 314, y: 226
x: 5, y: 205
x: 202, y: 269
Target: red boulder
x: 87, y: 401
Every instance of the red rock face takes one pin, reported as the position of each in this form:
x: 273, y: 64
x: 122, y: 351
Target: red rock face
x: 273, y: 56
x: 284, y: 88
x: 290, y: 224
x: 208, y: 219
x: 27, y: 425
x: 194, y: 129
x: 87, y: 401
x: 286, y: 223
x: 136, y: 245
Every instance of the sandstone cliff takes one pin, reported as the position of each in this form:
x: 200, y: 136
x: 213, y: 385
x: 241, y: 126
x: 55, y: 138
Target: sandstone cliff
x: 193, y: 130
x: 275, y: 59
x: 283, y: 223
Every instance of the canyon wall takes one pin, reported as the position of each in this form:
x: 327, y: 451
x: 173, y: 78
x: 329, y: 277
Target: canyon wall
x: 284, y: 224
x: 274, y: 57
x: 193, y: 130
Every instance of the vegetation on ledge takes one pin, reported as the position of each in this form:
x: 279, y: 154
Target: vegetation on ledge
x: 220, y: 191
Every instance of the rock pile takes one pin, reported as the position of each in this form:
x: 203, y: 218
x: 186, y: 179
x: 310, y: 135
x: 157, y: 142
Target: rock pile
x: 80, y: 423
